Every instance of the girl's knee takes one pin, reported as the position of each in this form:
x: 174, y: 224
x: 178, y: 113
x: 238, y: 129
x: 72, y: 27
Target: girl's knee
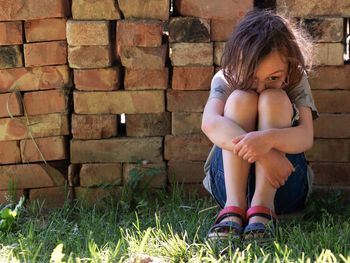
x: 274, y: 99
x: 241, y: 101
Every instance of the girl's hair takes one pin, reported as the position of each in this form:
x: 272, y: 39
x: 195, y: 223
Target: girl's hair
x: 259, y: 33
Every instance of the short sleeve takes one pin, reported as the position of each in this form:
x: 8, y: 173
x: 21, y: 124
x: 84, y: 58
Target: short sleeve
x: 301, y: 96
x: 219, y: 87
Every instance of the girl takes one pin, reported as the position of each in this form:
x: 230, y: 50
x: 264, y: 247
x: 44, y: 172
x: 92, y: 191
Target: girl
x: 259, y: 117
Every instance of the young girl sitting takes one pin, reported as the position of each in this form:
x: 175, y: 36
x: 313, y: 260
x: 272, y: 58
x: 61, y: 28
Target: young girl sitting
x: 259, y: 116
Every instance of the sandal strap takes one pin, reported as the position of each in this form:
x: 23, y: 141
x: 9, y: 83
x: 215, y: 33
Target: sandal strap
x: 228, y: 224
x: 230, y: 211
x: 261, y: 211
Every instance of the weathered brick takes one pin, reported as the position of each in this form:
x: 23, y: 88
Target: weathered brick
x: 117, y: 102
x: 41, y: 29
x: 10, y: 152
x: 142, y: 125
x: 117, y: 150
x: 145, y: 175
x: 186, y: 123
x: 192, y: 78
x: 30, y: 176
x: 144, y: 79
x: 73, y: 174
x: 336, y: 101
x: 221, y: 29
x: 143, y: 33
x: 329, y: 150
x: 11, y: 33
x: 91, y: 197
x: 329, y: 54
x: 325, y: 29
x: 189, y: 29
x: 143, y: 57
x: 10, y: 105
x: 37, y: 78
x: 95, y: 10
x: 226, y: 9
x: 89, y: 56
x: 97, y: 79
x: 51, y: 197
x: 98, y: 174
x: 323, y: 77
x: 94, y: 126
x: 38, y: 126
x: 154, y: 9
x: 191, y: 54
x: 185, y: 172
x: 10, y: 57
x: 51, y: 148
x: 88, y: 33
x: 218, y: 51
x: 186, y: 101
x: 331, y: 173
x: 48, y: 101
x: 187, y: 147
x: 33, y: 9
x: 11, y: 196
x: 45, y: 53
x: 332, y: 126
x: 314, y: 8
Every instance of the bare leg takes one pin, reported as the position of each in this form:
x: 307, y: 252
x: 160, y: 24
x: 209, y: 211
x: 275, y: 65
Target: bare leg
x: 275, y: 111
x: 242, y: 108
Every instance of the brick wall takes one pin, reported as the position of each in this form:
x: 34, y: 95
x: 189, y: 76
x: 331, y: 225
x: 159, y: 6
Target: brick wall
x: 70, y: 70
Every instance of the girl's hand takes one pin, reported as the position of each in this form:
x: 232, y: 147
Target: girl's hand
x: 252, y: 146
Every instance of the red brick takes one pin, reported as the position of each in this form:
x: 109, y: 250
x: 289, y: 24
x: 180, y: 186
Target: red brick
x: 117, y: 102
x: 145, y: 79
x: 94, y: 126
x: 186, y: 123
x: 144, y: 33
x: 192, y: 78
x: 331, y: 173
x: 51, y: 197
x: 145, y: 175
x: 25, y: 176
x: 98, y: 174
x: 117, y: 150
x: 41, y: 29
x: 329, y: 150
x: 189, y: 29
x: 33, y: 9
x: 191, y: 54
x: 186, y: 101
x: 51, y: 148
x: 95, y: 10
x: 142, y: 125
x: 37, y: 78
x: 221, y: 29
x: 336, y: 101
x: 35, y: 126
x: 92, y: 197
x: 11, y: 196
x: 97, y: 79
x: 10, y: 57
x: 88, y: 33
x: 11, y: 33
x: 45, y: 53
x: 187, y: 147
x: 89, y: 56
x: 143, y: 57
x: 323, y: 77
x: 10, y: 105
x: 227, y: 9
x: 154, y: 9
x: 185, y: 172
x: 10, y: 152
x: 43, y: 102
x: 332, y: 126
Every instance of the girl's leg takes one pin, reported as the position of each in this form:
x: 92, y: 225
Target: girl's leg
x: 275, y: 111
x: 242, y: 108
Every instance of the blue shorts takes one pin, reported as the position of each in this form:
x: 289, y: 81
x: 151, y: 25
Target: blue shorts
x: 289, y: 197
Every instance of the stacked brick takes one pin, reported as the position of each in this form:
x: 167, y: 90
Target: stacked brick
x: 34, y: 79
x: 330, y: 83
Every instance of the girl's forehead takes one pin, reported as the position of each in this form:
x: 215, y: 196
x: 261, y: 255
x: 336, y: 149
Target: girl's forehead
x: 274, y: 62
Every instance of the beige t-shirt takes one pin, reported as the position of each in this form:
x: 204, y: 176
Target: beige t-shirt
x: 300, y: 96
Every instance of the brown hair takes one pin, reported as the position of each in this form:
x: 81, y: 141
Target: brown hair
x: 258, y: 33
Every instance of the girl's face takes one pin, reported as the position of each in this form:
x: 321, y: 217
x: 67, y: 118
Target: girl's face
x: 271, y: 72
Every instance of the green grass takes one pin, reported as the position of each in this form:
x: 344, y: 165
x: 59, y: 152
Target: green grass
x: 170, y: 228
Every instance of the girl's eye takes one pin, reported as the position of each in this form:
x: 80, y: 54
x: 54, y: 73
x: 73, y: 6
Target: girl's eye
x: 273, y: 78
